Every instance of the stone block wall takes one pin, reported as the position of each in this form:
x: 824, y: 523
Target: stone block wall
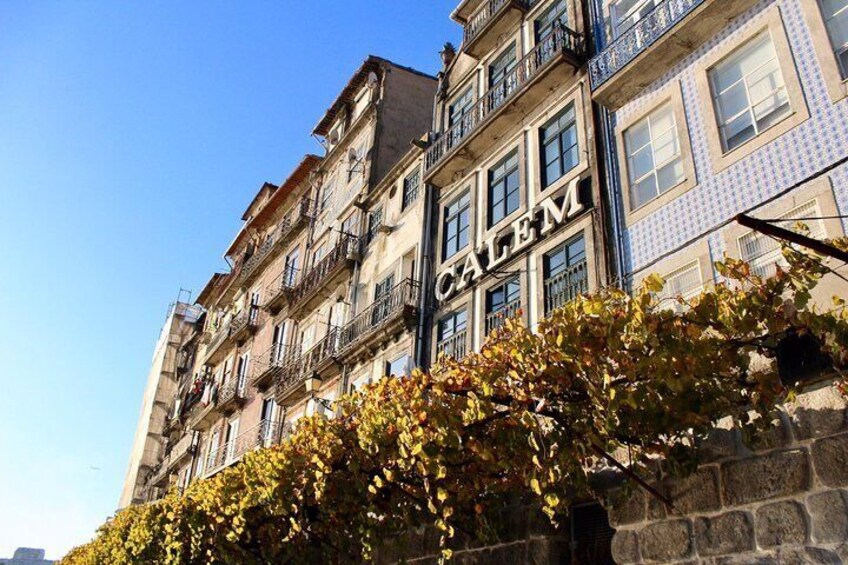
x: 779, y: 498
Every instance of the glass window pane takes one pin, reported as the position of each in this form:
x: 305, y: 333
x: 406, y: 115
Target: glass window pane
x: 670, y: 175
x: 644, y: 191
x: 641, y: 163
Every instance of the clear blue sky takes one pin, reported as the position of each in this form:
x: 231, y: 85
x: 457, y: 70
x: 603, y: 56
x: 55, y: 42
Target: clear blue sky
x: 131, y: 140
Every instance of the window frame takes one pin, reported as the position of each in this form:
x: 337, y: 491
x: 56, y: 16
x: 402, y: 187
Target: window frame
x: 494, y: 179
x: 408, y: 195
x: 671, y: 94
x: 546, y: 139
x: 446, y: 218
x: 837, y: 86
x: 769, y: 21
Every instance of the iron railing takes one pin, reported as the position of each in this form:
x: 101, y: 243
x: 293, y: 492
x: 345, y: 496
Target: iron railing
x: 270, y: 361
x: 264, y: 434
x: 233, y: 390
x: 485, y: 14
x: 566, y: 286
x: 402, y: 296
x: 282, y: 285
x: 633, y: 41
x: 182, y: 448
x: 316, y: 277
x: 496, y: 319
x: 454, y: 346
x: 561, y: 40
x: 297, y: 367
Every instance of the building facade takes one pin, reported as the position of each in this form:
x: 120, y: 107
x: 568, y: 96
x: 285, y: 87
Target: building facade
x: 27, y: 556
x: 518, y: 226
x: 716, y: 108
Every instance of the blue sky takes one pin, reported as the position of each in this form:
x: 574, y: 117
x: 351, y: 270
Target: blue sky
x: 131, y: 140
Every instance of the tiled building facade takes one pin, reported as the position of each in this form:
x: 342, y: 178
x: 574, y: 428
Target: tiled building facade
x: 564, y: 146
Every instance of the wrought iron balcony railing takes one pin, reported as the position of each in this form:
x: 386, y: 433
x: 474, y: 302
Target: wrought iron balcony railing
x: 232, y: 393
x: 633, y: 41
x: 454, y: 346
x: 265, y: 434
x: 297, y: 368
x: 245, y: 321
x: 565, y: 286
x: 561, y: 40
x: 495, y: 320
x: 184, y: 447
x: 268, y: 364
x: 309, y: 281
x: 279, y: 289
x: 489, y: 10
x: 400, y: 300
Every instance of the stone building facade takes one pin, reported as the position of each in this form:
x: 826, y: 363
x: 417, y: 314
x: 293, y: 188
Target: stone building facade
x: 27, y: 556
x: 564, y: 146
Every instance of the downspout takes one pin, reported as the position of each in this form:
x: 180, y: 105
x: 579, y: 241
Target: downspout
x: 425, y: 267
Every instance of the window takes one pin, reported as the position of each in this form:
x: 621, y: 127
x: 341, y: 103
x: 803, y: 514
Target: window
x: 375, y: 220
x: 326, y: 196
x: 451, y: 335
x: 382, y: 299
x: 456, y: 228
x: 559, y: 151
x: 461, y: 107
x: 411, y: 186
x: 502, y: 302
x: 565, y: 273
x: 764, y: 253
x: 241, y: 373
x: 835, y: 14
x: 269, y: 422
x: 399, y: 367
x: 749, y: 93
x: 654, y: 158
x: 625, y: 14
x: 291, y: 267
x: 684, y: 282
x: 545, y: 24
x: 349, y: 225
x: 503, y: 188
x: 319, y: 253
x: 230, y: 440
x: 502, y: 81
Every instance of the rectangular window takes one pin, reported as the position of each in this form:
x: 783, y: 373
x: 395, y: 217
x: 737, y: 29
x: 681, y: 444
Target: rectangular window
x: 545, y: 24
x: 565, y: 273
x: 558, y: 144
x: 411, y: 186
x: 502, y: 302
x: 654, y: 160
x: 502, y: 80
x: 749, y: 94
x: 241, y: 372
x: 461, y: 107
x: 451, y: 337
x: 684, y: 282
x: 382, y: 299
x: 503, y: 188
x: 835, y: 13
x: 375, y: 220
x: 456, y: 226
x: 291, y: 267
x: 625, y: 14
x: 764, y: 253
x: 399, y: 367
x: 326, y: 196
x: 230, y: 440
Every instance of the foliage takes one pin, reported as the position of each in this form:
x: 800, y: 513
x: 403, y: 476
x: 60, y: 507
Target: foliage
x: 533, y: 414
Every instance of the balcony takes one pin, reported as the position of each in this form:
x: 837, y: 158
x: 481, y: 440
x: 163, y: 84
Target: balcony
x: 161, y: 474
x: 275, y: 242
x: 565, y: 286
x: 204, y: 415
x: 264, y: 434
x: 455, y: 346
x: 320, y: 360
x: 231, y: 396
x: 384, y: 318
x: 654, y: 44
x: 532, y: 79
x: 237, y: 329
x: 495, y: 320
x: 311, y: 287
x: 279, y: 289
x: 181, y: 450
x: 491, y: 21
x: 267, y: 366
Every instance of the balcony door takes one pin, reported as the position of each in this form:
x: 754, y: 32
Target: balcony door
x: 231, y: 433
x: 291, y: 267
x: 382, y: 299
x: 502, y: 79
x: 269, y: 421
x: 241, y: 372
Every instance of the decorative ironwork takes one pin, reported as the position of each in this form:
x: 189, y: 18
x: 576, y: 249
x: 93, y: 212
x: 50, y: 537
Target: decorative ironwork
x: 296, y: 368
x: 346, y: 248
x: 487, y: 12
x: 496, y: 319
x: 644, y: 33
x: 396, y: 301
x: 561, y: 40
x: 565, y: 286
x: 454, y: 346
x: 264, y: 434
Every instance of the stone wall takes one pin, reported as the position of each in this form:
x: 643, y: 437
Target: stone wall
x: 779, y: 498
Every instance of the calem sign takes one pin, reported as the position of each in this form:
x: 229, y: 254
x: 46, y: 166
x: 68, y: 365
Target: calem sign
x: 542, y: 220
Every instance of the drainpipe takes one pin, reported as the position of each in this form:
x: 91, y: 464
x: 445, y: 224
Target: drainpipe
x: 425, y: 268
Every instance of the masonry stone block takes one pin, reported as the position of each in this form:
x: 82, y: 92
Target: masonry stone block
x: 775, y: 434
x: 808, y: 556
x: 777, y: 474
x: 699, y: 492
x: 758, y: 558
x: 625, y: 547
x: 830, y: 459
x: 829, y: 517
x: 718, y: 444
x: 666, y: 541
x: 732, y: 532
x: 781, y: 523
x: 818, y: 413
x: 626, y: 506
